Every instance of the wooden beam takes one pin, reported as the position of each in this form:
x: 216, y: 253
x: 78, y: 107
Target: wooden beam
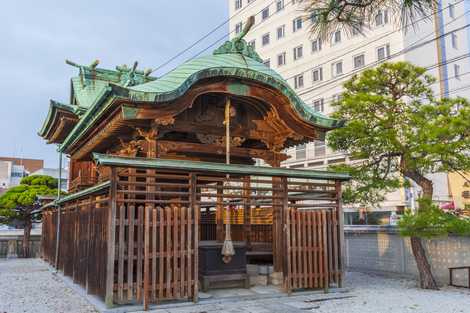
x: 340, y: 219
x: 165, y: 147
x: 109, y: 297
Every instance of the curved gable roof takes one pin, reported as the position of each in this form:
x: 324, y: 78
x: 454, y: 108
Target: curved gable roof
x: 229, y: 64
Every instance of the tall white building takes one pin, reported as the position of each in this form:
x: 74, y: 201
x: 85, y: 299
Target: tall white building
x: 316, y: 69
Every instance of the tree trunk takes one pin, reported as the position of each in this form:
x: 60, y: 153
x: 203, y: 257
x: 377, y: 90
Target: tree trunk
x: 26, y: 237
x: 426, y: 278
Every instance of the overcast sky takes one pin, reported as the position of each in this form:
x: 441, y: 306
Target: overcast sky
x: 37, y: 36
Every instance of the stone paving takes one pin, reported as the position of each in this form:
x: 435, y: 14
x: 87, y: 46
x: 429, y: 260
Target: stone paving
x: 27, y: 285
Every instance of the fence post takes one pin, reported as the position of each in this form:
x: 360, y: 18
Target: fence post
x: 111, y: 240
x: 195, y: 208
x: 340, y: 218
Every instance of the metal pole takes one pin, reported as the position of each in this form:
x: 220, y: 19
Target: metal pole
x: 58, y: 214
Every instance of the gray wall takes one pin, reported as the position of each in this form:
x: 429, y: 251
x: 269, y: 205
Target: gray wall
x: 6, y: 237
x: 382, y: 249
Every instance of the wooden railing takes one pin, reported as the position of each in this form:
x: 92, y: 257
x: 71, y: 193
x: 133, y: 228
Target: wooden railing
x: 82, y: 182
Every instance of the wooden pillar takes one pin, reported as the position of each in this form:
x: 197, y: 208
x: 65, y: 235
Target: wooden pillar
x: 340, y: 219
x: 195, y: 208
x: 247, y: 212
x: 149, y: 207
x: 286, y: 243
x: 111, y: 240
x: 219, y: 215
x: 278, y: 234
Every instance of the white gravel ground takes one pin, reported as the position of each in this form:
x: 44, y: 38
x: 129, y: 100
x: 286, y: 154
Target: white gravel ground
x: 377, y: 294
x: 28, y: 286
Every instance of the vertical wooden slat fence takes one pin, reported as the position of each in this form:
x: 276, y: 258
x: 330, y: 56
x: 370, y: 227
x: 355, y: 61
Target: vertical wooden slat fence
x: 312, y: 230
x: 83, y: 241
x: 156, y: 242
x: 137, y: 241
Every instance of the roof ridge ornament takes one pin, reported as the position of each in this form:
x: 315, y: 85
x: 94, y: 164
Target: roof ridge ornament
x: 239, y: 45
x: 82, y: 68
x: 128, y: 74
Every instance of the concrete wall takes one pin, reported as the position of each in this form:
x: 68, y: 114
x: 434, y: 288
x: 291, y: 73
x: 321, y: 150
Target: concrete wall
x: 13, y: 238
x: 382, y: 249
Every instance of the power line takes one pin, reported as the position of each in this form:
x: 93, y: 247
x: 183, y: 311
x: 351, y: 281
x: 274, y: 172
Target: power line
x: 202, y: 38
x: 229, y: 33
x: 379, y: 38
x: 439, y: 64
x: 396, y: 54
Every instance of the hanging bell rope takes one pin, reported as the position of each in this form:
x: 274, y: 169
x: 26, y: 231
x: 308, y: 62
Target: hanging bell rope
x: 227, y: 250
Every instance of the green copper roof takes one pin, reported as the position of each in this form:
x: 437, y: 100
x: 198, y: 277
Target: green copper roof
x: 237, y: 65
x: 184, y: 165
x: 53, y: 107
x: 96, y: 88
x: 85, y: 192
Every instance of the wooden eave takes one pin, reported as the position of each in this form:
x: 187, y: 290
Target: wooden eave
x: 209, y: 167
x: 119, y: 113
x: 59, y: 125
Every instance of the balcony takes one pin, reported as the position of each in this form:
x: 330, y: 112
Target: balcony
x: 82, y: 182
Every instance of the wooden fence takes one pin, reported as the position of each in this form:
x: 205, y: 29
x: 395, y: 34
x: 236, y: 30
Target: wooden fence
x: 82, y: 243
x: 156, y: 238
x: 138, y: 243
x: 313, y: 253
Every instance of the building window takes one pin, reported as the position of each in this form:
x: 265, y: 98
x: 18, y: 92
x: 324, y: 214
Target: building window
x: 318, y: 105
x: 238, y: 28
x: 252, y: 44
x: 381, y: 18
x: 337, y: 68
x: 281, y: 31
x: 336, y: 37
x: 267, y: 62
x: 319, y: 148
x: 317, y: 75
x: 301, y: 152
x: 279, y: 5
x: 281, y: 59
x: 457, y: 71
x: 451, y: 10
x: 383, y: 52
x: 359, y: 61
x: 453, y: 38
x: 298, y: 52
x: 297, y: 24
x: 265, y: 13
x: 265, y: 39
x: 238, y: 4
x: 316, y: 45
x: 299, y: 81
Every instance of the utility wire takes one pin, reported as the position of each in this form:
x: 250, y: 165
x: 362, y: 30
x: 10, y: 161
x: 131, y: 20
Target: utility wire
x: 432, y: 66
x: 228, y: 34
x: 379, y: 38
x: 396, y: 54
x: 202, y: 38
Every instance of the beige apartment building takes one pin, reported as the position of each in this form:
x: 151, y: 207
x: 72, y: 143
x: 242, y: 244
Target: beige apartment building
x: 316, y: 69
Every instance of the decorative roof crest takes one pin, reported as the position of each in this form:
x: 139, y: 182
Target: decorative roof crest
x: 128, y: 75
x: 82, y: 68
x: 239, y: 45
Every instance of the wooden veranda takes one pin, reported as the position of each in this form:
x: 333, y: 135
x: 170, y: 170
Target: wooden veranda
x: 135, y: 236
